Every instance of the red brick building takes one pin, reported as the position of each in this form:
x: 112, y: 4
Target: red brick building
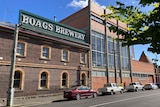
x: 45, y: 63
x: 110, y: 62
x: 143, y: 70
x: 157, y: 75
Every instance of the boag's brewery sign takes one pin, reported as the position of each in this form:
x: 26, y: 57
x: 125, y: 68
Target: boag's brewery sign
x: 46, y: 26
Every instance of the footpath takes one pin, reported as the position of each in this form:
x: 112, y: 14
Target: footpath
x: 29, y: 101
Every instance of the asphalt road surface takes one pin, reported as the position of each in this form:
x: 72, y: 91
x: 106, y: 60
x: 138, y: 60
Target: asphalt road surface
x: 149, y: 98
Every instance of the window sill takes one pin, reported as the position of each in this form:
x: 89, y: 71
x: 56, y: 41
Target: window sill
x: 16, y: 90
x: 83, y: 63
x: 64, y: 88
x: 65, y: 61
x: 20, y: 56
x: 45, y: 59
x: 43, y: 89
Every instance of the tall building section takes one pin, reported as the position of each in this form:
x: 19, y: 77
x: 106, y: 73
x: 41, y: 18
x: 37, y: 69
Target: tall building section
x: 110, y: 62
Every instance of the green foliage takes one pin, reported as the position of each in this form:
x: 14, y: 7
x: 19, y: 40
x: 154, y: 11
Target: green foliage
x: 142, y: 27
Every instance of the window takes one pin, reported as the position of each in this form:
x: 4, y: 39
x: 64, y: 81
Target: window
x: 45, y: 52
x: 111, y: 74
x: 17, y: 79
x: 21, y: 49
x: 83, y: 79
x: 44, y: 79
x: 113, y: 52
x: 83, y: 58
x: 65, y: 55
x: 85, y: 88
x: 98, y: 49
x: 98, y: 74
x: 125, y: 61
x: 64, y: 80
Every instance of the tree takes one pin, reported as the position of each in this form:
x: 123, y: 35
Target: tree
x: 142, y: 27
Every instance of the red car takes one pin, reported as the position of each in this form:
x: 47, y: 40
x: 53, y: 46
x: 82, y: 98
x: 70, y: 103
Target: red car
x: 78, y: 92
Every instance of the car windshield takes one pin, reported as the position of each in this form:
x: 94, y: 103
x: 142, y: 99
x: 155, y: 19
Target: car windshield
x: 147, y: 85
x: 108, y: 85
x: 132, y: 84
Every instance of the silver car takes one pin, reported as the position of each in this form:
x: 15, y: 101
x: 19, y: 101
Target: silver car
x: 150, y: 86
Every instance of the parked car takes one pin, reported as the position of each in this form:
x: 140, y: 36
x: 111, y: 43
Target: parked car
x: 150, y: 86
x: 78, y: 92
x: 135, y: 86
x: 110, y: 88
x: 158, y: 84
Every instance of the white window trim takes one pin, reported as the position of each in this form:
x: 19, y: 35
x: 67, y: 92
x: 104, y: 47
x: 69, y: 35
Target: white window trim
x: 25, y: 49
x: 85, y: 60
x: 68, y: 56
x: 49, y: 54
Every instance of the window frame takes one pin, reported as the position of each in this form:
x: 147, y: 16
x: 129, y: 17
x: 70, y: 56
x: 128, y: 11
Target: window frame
x: 21, y: 84
x: 98, y: 53
x: 17, y: 79
x: 85, y: 80
x: 49, y: 52
x: 47, y: 80
x: 24, y: 49
x: 67, y: 80
x: 68, y: 55
x: 85, y: 58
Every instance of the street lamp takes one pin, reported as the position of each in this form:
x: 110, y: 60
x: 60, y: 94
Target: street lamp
x: 10, y: 92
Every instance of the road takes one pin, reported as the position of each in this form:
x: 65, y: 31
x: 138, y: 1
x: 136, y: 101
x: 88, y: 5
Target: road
x: 150, y: 98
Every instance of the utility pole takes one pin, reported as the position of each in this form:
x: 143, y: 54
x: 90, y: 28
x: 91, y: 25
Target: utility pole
x: 10, y: 96
x: 90, y: 51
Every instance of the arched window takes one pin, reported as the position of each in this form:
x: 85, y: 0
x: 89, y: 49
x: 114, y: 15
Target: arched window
x: 43, y: 82
x: 44, y: 77
x: 64, y: 80
x: 83, y: 79
x: 17, y: 80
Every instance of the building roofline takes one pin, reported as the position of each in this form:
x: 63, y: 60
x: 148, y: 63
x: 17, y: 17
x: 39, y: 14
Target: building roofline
x: 10, y: 27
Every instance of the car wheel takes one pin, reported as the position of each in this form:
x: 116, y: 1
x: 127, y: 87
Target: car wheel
x: 136, y: 89
x: 111, y: 92
x: 94, y: 95
x: 103, y: 93
x: 143, y: 89
x: 78, y: 97
x: 121, y: 91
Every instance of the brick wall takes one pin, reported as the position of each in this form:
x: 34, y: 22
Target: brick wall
x: 32, y: 64
x: 139, y: 66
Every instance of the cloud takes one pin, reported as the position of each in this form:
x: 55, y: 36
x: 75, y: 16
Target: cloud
x: 78, y: 3
x: 133, y: 2
x: 130, y: 2
x: 81, y: 3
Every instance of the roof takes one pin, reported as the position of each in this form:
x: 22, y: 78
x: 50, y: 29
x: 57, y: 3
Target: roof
x: 144, y: 58
x: 8, y: 27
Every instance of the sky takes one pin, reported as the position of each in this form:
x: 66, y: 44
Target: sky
x: 9, y: 12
